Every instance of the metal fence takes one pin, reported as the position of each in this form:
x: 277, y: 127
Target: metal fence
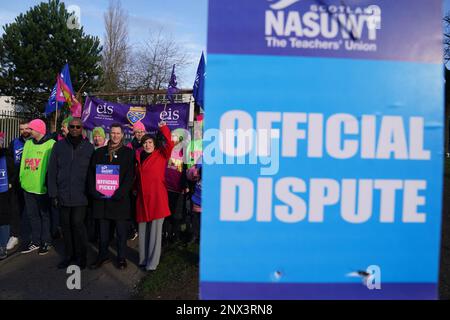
x: 9, y: 123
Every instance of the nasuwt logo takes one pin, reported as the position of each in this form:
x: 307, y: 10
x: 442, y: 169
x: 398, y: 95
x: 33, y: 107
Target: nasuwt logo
x: 106, y: 170
x: 305, y: 24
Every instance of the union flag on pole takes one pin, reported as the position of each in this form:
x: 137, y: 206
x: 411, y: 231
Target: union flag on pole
x: 64, y: 94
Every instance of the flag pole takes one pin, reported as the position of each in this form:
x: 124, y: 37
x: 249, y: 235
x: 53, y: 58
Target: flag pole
x: 56, y: 110
x: 56, y: 117
x: 78, y: 96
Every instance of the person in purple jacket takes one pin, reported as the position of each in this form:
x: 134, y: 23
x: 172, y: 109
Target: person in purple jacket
x: 176, y: 184
x: 195, y: 174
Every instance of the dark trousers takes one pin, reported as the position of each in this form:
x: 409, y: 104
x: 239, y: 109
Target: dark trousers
x: 17, y: 213
x: 121, y: 237
x: 55, y: 224
x: 38, y: 212
x: 20, y: 223
x: 74, y: 232
x: 133, y: 225
x: 171, y: 226
x: 91, y: 226
x: 196, y: 218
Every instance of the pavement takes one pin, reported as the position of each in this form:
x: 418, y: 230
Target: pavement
x: 30, y: 276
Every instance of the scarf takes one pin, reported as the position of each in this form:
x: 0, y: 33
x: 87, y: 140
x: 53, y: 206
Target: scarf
x: 112, y: 150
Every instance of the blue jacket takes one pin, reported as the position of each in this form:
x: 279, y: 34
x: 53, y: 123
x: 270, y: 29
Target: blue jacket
x: 16, y: 150
x: 197, y: 195
x: 67, y: 172
x: 8, y: 208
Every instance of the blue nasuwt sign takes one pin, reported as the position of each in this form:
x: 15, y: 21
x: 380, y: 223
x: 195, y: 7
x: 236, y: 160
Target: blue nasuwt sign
x: 326, y: 179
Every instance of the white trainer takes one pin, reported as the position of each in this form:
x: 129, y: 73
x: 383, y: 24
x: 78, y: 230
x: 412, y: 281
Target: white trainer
x: 12, y: 242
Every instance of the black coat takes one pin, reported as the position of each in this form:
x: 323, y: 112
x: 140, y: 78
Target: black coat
x: 68, y: 171
x: 118, y: 206
x: 8, y: 205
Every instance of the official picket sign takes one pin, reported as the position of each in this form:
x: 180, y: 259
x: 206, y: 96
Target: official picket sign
x: 345, y: 104
x: 107, y: 179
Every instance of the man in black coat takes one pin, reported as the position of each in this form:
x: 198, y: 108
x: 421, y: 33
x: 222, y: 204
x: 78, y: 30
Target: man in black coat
x: 115, y: 208
x: 67, y: 188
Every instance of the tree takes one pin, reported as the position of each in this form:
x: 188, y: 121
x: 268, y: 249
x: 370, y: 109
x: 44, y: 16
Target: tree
x: 35, y: 47
x: 150, y: 64
x: 115, y: 51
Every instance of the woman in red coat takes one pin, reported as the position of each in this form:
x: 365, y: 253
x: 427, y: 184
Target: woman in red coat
x: 152, y: 204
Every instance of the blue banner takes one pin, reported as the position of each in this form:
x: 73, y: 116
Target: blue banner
x: 326, y: 181
x: 199, y: 83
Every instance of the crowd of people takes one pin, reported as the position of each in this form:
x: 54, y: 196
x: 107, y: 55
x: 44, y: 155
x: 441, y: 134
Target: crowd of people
x: 49, y: 189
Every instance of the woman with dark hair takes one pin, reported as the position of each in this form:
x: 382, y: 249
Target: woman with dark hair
x: 152, y: 203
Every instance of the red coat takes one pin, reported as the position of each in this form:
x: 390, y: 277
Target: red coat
x: 152, y: 201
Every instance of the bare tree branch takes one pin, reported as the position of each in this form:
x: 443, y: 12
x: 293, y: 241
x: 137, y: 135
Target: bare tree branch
x: 152, y: 62
x: 116, y: 48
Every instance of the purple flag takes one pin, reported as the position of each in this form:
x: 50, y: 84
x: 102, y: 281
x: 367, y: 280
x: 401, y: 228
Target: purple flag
x: 172, y: 88
x: 199, y: 84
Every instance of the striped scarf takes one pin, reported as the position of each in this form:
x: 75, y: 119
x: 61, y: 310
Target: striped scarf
x: 112, y: 150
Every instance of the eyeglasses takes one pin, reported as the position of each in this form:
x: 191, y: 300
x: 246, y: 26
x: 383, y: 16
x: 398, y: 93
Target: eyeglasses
x: 74, y: 127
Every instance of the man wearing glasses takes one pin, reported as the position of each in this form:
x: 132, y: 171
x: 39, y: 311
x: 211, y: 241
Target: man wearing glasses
x: 67, y: 176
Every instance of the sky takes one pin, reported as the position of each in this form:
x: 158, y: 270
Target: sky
x: 182, y: 20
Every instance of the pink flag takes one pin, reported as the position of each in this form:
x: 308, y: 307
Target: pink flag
x: 64, y: 94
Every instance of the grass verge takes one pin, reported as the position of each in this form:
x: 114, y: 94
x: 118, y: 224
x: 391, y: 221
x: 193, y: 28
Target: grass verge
x: 176, y: 277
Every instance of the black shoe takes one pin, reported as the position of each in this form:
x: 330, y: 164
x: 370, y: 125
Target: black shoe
x: 133, y: 234
x: 142, y: 267
x: 121, y: 264
x: 3, y: 253
x: 44, y: 248
x: 98, y: 263
x: 30, y: 248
